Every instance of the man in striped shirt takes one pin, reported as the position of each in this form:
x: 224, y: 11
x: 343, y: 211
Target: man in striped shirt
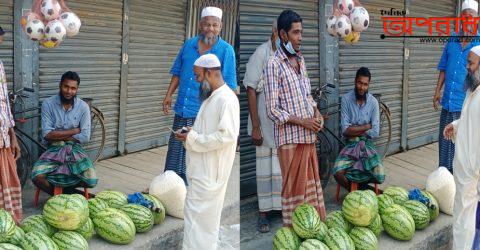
x: 291, y: 107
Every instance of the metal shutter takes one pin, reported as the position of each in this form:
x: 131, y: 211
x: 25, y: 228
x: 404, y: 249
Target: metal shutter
x: 6, y: 48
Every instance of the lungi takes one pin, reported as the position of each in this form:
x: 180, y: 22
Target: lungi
x: 446, y: 150
x: 10, y: 187
x: 269, y: 179
x: 301, y: 179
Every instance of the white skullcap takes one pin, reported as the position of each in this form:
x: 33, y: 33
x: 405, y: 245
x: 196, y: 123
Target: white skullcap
x: 476, y: 50
x: 470, y: 4
x: 274, y: 23
x: 208, y: 61
x: 212, y: 11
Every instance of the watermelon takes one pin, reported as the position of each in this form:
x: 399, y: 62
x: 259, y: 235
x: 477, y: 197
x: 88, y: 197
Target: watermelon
x: 114, y: 199
x: 286, y: 239
x: 398, y: 194
x: 384, y: 201
x: 17, y: 237
x: 86, y: 230
x: 376, y: 225
x: 434, y: 208
x: 373, y: 197
x: 306, y: 221
x: 114, y: 226
x: 66, y: 212
x: 158, y: 216
x: 69, y: 240
x: 7, y: 226
x: 322, y: 232
x: 312, y: 244
x: 36, y: 223
x: 95, y: 205
x: 398, y: 222
x: 358, y: 208
x: 141, y: 216
x: 336, y: 219
x: 419, y: 212
x: 38, y: 241
x: 337, y: 239
x: 363, y: 238
x: 8, y: 246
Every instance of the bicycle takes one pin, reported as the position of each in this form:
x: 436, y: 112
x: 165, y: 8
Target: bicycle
x: 325, y: 153
x: 94, y: 147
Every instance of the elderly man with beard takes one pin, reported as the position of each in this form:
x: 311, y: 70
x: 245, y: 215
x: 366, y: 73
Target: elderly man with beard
x: 360, y: 123
x: 211, y: 144
x: 451, y: 79
x: 188, y: 101
x: 465, y: 133
x: 65, y: 126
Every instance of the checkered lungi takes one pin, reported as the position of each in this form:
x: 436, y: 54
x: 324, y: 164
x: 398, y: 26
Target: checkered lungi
x: 446, y: 148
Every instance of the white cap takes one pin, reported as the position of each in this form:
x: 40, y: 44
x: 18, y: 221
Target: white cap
x: 212, y: 11
x: 470, y: 4
x: 208, y: 61
x: 476, y: 50
x: 274, y: 23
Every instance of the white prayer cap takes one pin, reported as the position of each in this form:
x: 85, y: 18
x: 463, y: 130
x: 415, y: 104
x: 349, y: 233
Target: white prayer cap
x: 470, y: 4
x: 476, y: 50
x: 212, y: 11
x: 208, y: 61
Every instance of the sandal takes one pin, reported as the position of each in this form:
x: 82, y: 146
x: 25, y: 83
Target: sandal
x: 263, y: 225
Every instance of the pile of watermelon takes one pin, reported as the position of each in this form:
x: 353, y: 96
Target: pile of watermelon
x: 69, y: 221
x: 359, y: 223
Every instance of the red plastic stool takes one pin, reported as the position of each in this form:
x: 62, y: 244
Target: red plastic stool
x: 57, y: 191
x: 353, y: 187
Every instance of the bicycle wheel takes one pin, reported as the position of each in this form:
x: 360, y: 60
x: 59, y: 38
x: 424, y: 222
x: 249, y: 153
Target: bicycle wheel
x: 383, y: 143
x: 324, y: 156
x: 96, y: 144
x: 24, y: 162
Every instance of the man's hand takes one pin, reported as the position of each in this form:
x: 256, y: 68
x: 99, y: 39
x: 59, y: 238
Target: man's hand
x: 15, y: 149
x: 182, y: 136
x: 436, y: 100
x: 167, y: 104
x: 319, y: 117
x: 448, y: 132
x: 312, y: 124
x: 257, y: 138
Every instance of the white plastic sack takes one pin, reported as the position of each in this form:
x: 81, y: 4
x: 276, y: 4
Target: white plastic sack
x: 441, y: 184
x: 170, y: 189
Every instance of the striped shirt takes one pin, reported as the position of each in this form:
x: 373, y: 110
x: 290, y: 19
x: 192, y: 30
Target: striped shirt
x: 287, y: 94
x: 6, y: 117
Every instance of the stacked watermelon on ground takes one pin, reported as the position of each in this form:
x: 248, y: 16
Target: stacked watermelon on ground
x: 7, y: 226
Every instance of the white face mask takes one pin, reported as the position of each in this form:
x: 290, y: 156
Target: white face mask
x: 288, y: 47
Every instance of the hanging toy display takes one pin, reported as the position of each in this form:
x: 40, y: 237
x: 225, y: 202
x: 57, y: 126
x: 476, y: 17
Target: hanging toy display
x: 348, y: 21
x: 50, y: 22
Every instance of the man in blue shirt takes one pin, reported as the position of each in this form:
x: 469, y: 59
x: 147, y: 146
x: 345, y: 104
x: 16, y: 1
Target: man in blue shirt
x: 359, y: 162
x: 188, y: 100
x: 453, y: 71
x: 65, y: 126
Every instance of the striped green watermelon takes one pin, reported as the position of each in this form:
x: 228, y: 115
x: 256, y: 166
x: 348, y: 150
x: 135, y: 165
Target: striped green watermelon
x: 306, y: 221
x: 376, y: 225
x: 114, y: 199
x: 159, y: 216
x: 69, y: 240
x: 86, y: 230
x: 398, y: 222
x: 384, y: 201
x: 38, y: 241
x: 419, y: 212
x: 312, y: 244
x: 373, y: 197
x: 434, y: 208
x: 95, y: 205
x: 286, y: 239
x: 398, y: 194
x: 337, y: 239
x: 8, y: 246
x: 17, y: 237
x: 358, y: 208
x: 363, y: 238
x: 7, y: 226
x: 141, y: 216
x: 114, y: 226
x: 322, y: 232
x: 36, y: 223
x: 336, y: 219
x: 66, y: 212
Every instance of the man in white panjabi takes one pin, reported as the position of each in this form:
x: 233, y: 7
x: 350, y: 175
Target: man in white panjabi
x: 465, y: 133
x: 211, y: 145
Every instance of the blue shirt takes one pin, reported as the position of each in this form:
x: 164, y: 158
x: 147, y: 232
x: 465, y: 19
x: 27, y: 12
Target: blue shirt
x: 454, y: 63
x: 354, y: 115
x: 188, y: 99
x: 55, y: 117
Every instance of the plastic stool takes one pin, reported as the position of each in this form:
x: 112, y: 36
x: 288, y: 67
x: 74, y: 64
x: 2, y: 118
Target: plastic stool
x: 57, y: 191
x: 353, y: 187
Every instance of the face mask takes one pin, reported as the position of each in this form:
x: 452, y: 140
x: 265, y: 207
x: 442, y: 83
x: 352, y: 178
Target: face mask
x: 205, y: 91
x: 288, y: 47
